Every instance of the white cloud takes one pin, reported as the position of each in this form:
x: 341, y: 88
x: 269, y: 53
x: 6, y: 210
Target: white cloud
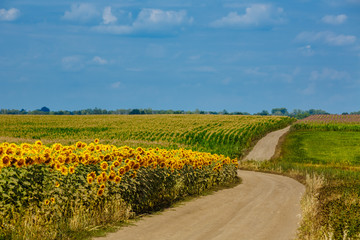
x: 108, y: 17
x: 335, y: 20
x: 310, y: 89
x: 328, y: 74
x: 149, y: 20
x: 9, y: 15
x: 206, y: 69
x: 306, y: 51
x: 81, y: 12
x: 255, y: 71
x: 327, y: 37
x: 72, y: 63
x: 255, y: 15
x: 99, y: 60
x: 116, y: 85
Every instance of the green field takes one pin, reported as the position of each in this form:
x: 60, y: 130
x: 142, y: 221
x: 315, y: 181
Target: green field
x: 229, y: 135
x: 330, y: 148
x: 326, y: 158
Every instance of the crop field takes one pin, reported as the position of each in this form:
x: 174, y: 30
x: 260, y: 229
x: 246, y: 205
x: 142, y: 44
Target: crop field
x: 325, y: 155
x: 332, y: 118
x: 228, y: 135
x: 57, y: 182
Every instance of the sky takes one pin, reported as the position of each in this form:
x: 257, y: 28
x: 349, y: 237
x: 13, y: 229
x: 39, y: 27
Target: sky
x: 180, y: 54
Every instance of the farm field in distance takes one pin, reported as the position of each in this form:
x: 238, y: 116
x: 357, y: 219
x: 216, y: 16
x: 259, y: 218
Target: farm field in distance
x: 228, y: 135
x: 62, y: 176
x: 324, y: 153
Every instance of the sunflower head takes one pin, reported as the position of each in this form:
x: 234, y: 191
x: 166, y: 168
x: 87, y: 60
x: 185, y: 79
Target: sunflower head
x: 64, y: 170
x: 71, y: 170
x: 96, y: 141
x: 52, y: 200
x: 47, y: 201
x: 121, y: 171
x: 112, y: 176
x: 20, y: 162
x: 5, y: 161
x: 136, y: 166
x: 117, y: 179
x: 57, y: 184
x: 99, y: 179
x: 89, y: 179
x: 104, y: 166
x: 100, y: 192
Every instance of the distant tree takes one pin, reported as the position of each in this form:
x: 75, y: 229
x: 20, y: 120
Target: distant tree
x: 345, y: 113
x: 353, y: 113
x: 224, y: 112
x: 262, y: 113
x: 45, y: 110
x: 279, y: 111
x: 213, y: 113
x: 134, y: 112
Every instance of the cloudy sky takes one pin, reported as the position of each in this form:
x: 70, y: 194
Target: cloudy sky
x: 180, y: 54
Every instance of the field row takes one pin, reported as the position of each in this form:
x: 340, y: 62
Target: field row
x: 228, y: 135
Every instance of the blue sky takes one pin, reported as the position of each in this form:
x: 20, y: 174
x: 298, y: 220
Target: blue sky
x: 182, y: 55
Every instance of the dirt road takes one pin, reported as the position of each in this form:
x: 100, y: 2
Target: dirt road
x: 265, y: 147
x: 264, y: 206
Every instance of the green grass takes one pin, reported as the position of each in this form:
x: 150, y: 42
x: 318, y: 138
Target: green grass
x: 335, y: 148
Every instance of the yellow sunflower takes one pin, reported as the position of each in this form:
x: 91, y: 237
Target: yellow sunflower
x: 104, y: 166
x: 100, y: 192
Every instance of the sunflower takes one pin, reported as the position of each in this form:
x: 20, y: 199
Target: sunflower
x: 133, y: 175
x: 117, y: 179
x: 100, y: 192
x: 104, y: 166
x: 96, y: 141
x: 112, y: 176
x: 47, y: 201
x: 57, y: 184
x: 20, y: 163
x: 38, y: 143
x: 64, y: 170
x: 92, y: 174
x: 52, y: 200
x: 99, y: 179
x: 5, y: 161
x: 102, y: 186
x: 71, y: 170
x: 104, y: 177
x: 136, y: 166
x: 121, y: 171
x: 89, y: 179
x: 127, y: 168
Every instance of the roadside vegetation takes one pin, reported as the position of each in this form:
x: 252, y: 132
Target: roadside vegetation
x: 325, y: 156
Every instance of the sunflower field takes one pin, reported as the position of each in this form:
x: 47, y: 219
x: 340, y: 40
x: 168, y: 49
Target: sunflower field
x: 69, y: 187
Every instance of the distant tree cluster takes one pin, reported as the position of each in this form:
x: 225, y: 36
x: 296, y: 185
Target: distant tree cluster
x: 296, y: 113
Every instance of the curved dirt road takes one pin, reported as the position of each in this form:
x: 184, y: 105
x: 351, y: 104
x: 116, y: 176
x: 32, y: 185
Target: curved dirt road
x: 264, y: 206
x: 265, y: 147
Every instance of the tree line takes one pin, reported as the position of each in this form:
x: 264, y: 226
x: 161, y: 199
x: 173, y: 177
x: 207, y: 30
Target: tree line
x: 296, y: 113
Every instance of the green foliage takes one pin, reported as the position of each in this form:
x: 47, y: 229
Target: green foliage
x: 228, y: 135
